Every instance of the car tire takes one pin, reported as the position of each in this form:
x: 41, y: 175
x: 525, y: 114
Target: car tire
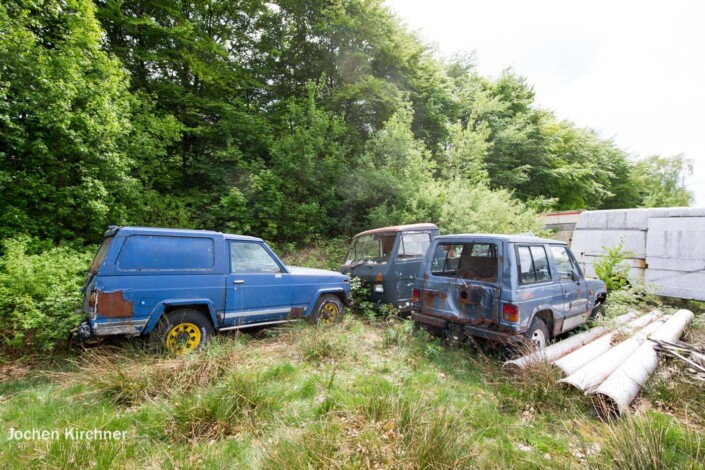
x: 597, y: 314
x: 328, y: 310
x: 181, y: 331
x: 537, y: 334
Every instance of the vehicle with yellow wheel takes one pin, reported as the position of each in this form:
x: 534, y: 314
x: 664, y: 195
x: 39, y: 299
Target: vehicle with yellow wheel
x: 179, y: 287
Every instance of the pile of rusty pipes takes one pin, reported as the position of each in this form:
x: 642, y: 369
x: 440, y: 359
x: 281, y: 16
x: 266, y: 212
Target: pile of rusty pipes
x: 601, y: 365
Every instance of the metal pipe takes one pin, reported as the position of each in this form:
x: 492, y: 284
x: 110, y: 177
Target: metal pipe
x: 596, y: 371
x: 615, y: 394
x: 570, y: 363
x: 566, y: 346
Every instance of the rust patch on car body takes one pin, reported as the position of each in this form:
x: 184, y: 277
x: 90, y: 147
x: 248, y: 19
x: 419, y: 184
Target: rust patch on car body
x: 114, y: 305
x: 297, y: 312
x: 429, y: 295
x: 471, y: 295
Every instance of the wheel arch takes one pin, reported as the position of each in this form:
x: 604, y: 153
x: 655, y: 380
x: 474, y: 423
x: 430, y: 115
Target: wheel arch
x: 340, y: 293
x: 205, y: 306
x: 545, y: 314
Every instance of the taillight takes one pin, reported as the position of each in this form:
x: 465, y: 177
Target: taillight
x: 510, y: 313
x: 378, y: 278
x: 93, y: 299
x: 416, y: 295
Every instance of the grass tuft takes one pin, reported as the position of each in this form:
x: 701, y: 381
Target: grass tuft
x: 650, y: 442
x: 130, y: 377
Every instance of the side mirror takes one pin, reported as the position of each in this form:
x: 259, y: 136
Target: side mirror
x: 574, y: 276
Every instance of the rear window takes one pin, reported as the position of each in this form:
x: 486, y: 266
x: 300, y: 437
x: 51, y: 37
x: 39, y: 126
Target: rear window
x: 471, y: 261
x: 158, y: 253
x: 100, y: 256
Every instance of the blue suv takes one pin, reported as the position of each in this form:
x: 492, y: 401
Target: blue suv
x: 503, y: 288
x: 181, y: 286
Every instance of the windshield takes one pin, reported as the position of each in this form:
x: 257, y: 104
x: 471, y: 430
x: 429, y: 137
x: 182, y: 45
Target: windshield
x: 374, y: 248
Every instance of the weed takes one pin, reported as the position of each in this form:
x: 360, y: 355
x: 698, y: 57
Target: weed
x: 650, y: 442
x: 223, y: 410
x: 320, y: 344
x: 134, y: 376
x: 612, y: 267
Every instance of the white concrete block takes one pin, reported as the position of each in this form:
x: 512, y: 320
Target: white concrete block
x: 678, y: 284
x: 593, y: 242
x: 676, y: 237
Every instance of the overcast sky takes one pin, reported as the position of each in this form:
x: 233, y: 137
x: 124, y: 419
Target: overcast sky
x: 632, y: 70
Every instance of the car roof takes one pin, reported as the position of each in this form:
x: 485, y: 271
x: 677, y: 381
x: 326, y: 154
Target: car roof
x: 503, y: 237
x: 175, y: 231
x: 399, y: 228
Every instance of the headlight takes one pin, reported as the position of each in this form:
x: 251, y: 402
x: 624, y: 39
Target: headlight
x: 378, y: 288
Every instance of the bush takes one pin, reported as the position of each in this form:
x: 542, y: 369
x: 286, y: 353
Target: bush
x: 611, y: 267
x: 39, y: 294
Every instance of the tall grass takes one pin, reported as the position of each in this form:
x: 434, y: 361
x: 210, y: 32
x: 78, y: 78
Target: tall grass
x: 651, y: 442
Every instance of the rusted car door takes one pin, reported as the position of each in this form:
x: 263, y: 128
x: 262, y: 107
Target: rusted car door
x: 463, y: 282
x: 575, y: 291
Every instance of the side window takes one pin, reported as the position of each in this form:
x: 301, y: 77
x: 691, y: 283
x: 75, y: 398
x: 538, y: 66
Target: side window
x: 543, y: 272
x: 564, y: 263
x: 165, y: 253
x: 413, y: 245
x: 251, y: 257
x: 533, y: 264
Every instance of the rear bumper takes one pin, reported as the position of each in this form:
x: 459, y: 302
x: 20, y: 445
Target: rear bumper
x: 429, y: 320
x: 504, y: 337
x: 84, y: 331
x: 91, y: 330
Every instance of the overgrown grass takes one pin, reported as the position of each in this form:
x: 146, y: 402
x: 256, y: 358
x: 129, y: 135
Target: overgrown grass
x: 364, y: 393
x: 356, y: 395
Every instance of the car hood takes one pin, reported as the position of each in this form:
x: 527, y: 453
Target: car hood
x: 596, y: 284
x: 314, y: 272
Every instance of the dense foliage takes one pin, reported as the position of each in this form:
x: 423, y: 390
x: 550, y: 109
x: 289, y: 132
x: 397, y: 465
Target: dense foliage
x: 288, y: 119
x: 39, y: 294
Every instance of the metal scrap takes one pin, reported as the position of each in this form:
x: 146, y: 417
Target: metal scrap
x: 692, y: 355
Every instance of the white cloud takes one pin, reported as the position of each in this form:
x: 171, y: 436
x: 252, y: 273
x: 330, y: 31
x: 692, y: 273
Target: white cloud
x: 632, y: 70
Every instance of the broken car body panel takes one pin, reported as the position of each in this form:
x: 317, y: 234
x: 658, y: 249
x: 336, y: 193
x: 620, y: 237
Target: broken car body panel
x: 492, y: 286
x: 140, y: 273
x: 387, y: 260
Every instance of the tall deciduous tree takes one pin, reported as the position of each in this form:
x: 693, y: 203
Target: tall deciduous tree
x: 63, y: 112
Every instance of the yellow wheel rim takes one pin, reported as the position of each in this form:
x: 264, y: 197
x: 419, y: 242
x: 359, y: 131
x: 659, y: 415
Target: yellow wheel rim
x: 329, y: 313
x: 183, y: 338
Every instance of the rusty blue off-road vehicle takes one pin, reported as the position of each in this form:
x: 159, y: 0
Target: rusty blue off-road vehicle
x: 387, y: 260
x: 181, y: 286
x: 503, y: 288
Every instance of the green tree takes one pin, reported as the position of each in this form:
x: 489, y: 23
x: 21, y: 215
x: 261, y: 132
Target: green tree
x: 64, y: 111
x: 661, y: 181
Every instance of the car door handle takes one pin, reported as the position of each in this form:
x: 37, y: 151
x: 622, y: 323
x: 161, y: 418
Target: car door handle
x: 239, y: 281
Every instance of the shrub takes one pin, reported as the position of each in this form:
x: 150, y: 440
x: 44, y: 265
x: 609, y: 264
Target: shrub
x: 611, y: 267
x: 39, y: 293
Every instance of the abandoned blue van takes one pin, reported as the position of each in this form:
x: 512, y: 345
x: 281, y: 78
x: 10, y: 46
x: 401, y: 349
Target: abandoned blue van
x: 387, y: 260
x: 181, y: 286
x: 503, y: 288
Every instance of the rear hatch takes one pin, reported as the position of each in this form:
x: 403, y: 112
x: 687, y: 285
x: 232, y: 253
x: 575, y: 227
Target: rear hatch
x: 94, y: 268
x: 462, y: 283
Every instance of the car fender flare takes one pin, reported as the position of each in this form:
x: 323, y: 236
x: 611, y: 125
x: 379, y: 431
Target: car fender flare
x: 320, y: 292
x: 545, y: 308
x: 164, y: 304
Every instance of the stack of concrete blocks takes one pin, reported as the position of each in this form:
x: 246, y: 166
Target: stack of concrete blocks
x: 667, y: 246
